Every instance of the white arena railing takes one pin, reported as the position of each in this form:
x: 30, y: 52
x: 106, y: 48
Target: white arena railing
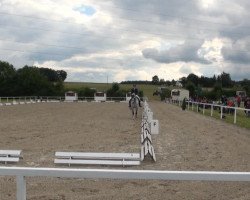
x: 22, y: 172
x: 51, y: 98
x: 212, y: 106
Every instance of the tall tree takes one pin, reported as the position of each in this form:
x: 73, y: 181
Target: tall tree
x: 225, y: 80
x: 193, y: 78
x: 61, y: 74
x: 155, y: 80
x: 191, y: 88
x: 7, y: 74
x: 31, y: 82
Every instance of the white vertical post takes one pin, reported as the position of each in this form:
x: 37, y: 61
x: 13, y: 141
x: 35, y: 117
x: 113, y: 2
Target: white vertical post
x: 21, y: 188
x: 7, y: 99
x: 235, y: 115
x: 212, y: 109
x: 203, y: 109
x: 221, y: 112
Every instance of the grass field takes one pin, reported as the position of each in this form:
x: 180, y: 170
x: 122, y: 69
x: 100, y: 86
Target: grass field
x: 147, y: 89
x: 241, y: 119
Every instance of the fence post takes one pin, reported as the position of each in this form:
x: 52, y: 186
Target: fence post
x: 212, y: 109
x: 21, y: 188
x: 203, y: 109
x: 221, y: 112
x: 235, y: 115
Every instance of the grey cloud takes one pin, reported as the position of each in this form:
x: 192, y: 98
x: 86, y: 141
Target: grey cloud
x: 185, y: 69
x: 237, y: 52
x: 188, y: 52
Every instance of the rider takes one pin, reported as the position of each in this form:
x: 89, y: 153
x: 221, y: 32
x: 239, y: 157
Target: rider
x: 136, y: 92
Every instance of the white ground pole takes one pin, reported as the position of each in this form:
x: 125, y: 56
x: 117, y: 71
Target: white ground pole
x: 22, y: 172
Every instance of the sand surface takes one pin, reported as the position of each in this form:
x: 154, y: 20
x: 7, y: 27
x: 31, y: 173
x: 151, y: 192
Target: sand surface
x: 187, y: 141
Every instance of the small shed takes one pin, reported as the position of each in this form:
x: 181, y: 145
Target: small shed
x: 179, y: 94
x: 71, y: 96
x: 100, y: 96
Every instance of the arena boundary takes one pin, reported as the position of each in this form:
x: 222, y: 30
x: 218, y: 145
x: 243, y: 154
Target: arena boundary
x: 22, y: 172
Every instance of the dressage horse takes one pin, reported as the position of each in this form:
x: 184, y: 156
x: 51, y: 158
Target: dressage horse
x: 134, y: 105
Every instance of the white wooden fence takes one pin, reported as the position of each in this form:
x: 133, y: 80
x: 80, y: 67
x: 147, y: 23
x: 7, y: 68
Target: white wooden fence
x: 22, y: 172
x: 192, y: 104
x: 51, y: 98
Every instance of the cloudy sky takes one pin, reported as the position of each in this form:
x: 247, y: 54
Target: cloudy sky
x: 96, y: 40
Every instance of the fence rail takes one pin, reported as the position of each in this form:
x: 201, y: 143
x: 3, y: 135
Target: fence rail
x: 48, y: 98
x: 21, y: 172
x: 212, y: 107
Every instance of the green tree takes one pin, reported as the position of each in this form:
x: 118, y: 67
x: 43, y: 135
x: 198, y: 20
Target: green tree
x: 52, y: 75
x: 155, y: 80
x: 183, y: 81
x: 162, y: 81
x: 61, y: 74
x: 225, y: 80
x: 31, y: 82
x: 173, y: 82
x: 7, y: 75
x: 193, y: 78
x: 191, y: 88
x: 217, y: 90
x: 183, y: 106
x: 114, y: 90
x: 166, y: 93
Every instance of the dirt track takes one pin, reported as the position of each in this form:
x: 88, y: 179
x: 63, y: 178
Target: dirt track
x: 187, y: 141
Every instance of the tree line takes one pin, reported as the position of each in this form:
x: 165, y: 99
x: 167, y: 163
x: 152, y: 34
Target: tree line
x: 30, y: 81
x: 209, y: 87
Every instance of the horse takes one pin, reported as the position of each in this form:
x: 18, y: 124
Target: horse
x: 134, y: 105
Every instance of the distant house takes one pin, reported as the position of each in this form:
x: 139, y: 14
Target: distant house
x: 178, y: 84
x: 100, y: 96
x: 71, y: 96
x: 179, y: 94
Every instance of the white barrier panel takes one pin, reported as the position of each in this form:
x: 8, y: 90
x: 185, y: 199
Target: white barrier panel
x: 154, y: 126
x: 150, y: 116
